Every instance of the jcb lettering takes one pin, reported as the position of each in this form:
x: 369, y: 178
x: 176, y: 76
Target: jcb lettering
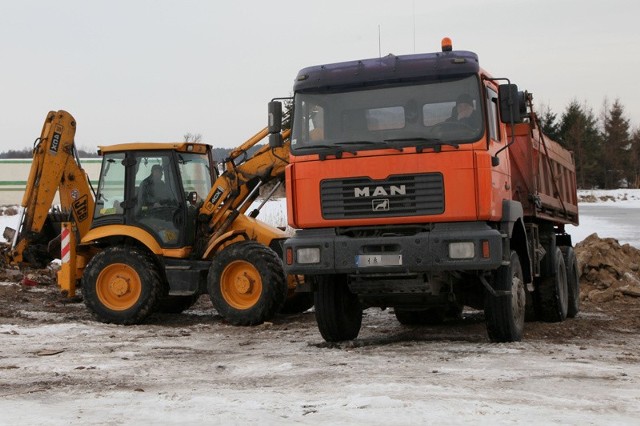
x: 81, y: 208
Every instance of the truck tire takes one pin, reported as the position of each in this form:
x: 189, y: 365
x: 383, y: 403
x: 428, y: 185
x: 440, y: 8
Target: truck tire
x: 505, y: 314
x: 551, y: 294
x: 121, y: 285
x: 573, y: 280
x: 338, y: 311
x: 431, y: 316
x: 246, y: 283
x: 176, y: 304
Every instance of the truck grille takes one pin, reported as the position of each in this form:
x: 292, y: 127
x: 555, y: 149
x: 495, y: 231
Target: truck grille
x: 399, y: 195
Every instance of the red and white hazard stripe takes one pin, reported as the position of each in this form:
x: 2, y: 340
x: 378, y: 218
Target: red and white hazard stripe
x: 65, y: 249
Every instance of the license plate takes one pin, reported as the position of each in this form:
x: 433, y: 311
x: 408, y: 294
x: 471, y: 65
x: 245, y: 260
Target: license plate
x: 366, y: 260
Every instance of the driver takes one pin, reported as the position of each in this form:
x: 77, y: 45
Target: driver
x: 153, y: 189
x: 464, y: 112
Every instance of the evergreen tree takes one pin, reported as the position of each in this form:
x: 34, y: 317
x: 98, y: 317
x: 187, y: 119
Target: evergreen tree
x: 635, y: 159
x: 549, y: 123
x: 617, y: 143
x: 578, y: 132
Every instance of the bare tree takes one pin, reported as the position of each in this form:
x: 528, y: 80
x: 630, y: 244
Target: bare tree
x: 192, y: 137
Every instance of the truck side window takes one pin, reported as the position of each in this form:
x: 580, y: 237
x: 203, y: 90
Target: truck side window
x: 492, y: 112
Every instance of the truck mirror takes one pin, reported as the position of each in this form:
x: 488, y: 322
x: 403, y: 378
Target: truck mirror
x: 275, y: 140
x: 512, y: 103
x: 275, y: 117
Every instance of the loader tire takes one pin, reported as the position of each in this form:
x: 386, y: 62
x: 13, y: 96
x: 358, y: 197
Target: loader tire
x: 121, y: 285
x: 551, y: 294
x: 246, y: 283
x: 573, y: 280
x: 338, y: 311
x: 505, y: 314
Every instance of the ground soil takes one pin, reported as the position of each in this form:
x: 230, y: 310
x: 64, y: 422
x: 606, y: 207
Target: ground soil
x: 59, y: 366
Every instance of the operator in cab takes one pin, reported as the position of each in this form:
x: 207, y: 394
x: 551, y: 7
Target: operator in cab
x: 153, y: 189
x: 464, y: 112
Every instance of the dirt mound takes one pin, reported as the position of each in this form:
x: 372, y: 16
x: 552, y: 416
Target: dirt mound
x: 608, y: 270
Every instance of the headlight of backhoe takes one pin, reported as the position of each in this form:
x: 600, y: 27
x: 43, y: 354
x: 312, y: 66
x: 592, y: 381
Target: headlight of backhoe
x: 462, y: 250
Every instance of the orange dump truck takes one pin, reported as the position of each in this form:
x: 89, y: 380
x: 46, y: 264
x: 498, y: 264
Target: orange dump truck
x: 422, y: 183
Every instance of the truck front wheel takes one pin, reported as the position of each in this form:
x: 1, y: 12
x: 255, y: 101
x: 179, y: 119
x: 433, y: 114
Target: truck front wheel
x: 247, y: 283
x: 121, y: 285
x: 338, y: 311
x: 505, y: 314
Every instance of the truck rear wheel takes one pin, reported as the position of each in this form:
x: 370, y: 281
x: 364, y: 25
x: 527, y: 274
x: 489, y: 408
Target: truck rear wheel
x: 121, y: 285
x: 573, y: 281
x: 504, y: 314
x: 551, y: 295
x: 246, y: 283
x: 338, y: 311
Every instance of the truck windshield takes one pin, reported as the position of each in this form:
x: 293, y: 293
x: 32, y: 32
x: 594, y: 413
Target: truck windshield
x: 436, y: 113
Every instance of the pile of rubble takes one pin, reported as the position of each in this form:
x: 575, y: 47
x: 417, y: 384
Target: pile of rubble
x: 608, y: 270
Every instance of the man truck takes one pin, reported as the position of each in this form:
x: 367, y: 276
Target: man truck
x: 424, y: 184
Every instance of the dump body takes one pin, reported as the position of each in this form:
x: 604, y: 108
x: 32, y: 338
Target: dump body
x: 543, y: 177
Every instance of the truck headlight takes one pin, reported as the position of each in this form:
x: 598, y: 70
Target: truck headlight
x: 462, y: 250
x: 308, y: 255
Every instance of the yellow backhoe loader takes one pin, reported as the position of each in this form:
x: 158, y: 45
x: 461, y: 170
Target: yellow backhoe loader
x: 163, y: 227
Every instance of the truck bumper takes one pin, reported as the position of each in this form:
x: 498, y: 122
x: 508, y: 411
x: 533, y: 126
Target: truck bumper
x: 326, y: 252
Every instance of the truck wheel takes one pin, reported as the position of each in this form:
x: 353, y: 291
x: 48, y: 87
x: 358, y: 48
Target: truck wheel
x: 176, y: 304
x: 338, y: 311
x: 551, y: 293
x: 505, y: 314
x: 431, y: 316
x: 246, y: 283
x: 121, y: 285
x: 573, y: 281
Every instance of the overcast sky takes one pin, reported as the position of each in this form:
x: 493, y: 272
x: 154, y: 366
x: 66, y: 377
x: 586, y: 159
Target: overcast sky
x: 154, y: 70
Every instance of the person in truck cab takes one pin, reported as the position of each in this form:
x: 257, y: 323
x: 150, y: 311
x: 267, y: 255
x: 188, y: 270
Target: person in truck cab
x: 464, y: 112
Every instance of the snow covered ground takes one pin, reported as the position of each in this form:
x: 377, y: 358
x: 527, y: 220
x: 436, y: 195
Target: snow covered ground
x: 59, y: 367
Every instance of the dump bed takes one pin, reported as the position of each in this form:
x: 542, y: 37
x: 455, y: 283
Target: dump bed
x: 543, y: 176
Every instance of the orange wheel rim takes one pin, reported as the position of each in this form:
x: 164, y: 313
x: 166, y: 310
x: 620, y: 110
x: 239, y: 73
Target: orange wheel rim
x: 118, y: 287
x: 241, y: 284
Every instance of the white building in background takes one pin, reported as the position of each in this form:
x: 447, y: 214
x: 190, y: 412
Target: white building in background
x: 15, y: 172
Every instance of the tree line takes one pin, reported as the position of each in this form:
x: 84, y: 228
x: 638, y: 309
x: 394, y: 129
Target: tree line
x: 606, y: 150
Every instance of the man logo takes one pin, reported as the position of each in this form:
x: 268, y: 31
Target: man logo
x: 377, y: 191
x: 380, y: 205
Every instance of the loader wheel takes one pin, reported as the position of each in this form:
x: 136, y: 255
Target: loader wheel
x: 121, y: 285
x: 551, y: 295
x: 573, y: 281
x: 504, y: 314
x: 246, y: 283
x: 338, y: 311
x: 431, y: 316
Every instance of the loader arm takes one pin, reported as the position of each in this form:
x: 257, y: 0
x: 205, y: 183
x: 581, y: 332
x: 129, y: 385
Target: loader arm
x: 238, y: 186
x: 55, y: 168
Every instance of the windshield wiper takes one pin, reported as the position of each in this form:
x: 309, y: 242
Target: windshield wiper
x: 422, y: 143
x: 334, y: 150
x: 384, y: 143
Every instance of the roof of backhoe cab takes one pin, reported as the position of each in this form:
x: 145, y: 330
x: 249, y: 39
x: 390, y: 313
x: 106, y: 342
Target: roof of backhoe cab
x: 199, y: 148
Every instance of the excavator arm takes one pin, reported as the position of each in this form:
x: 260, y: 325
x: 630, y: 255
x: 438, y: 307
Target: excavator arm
x: 55, y: 168
x: 238, y: 186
